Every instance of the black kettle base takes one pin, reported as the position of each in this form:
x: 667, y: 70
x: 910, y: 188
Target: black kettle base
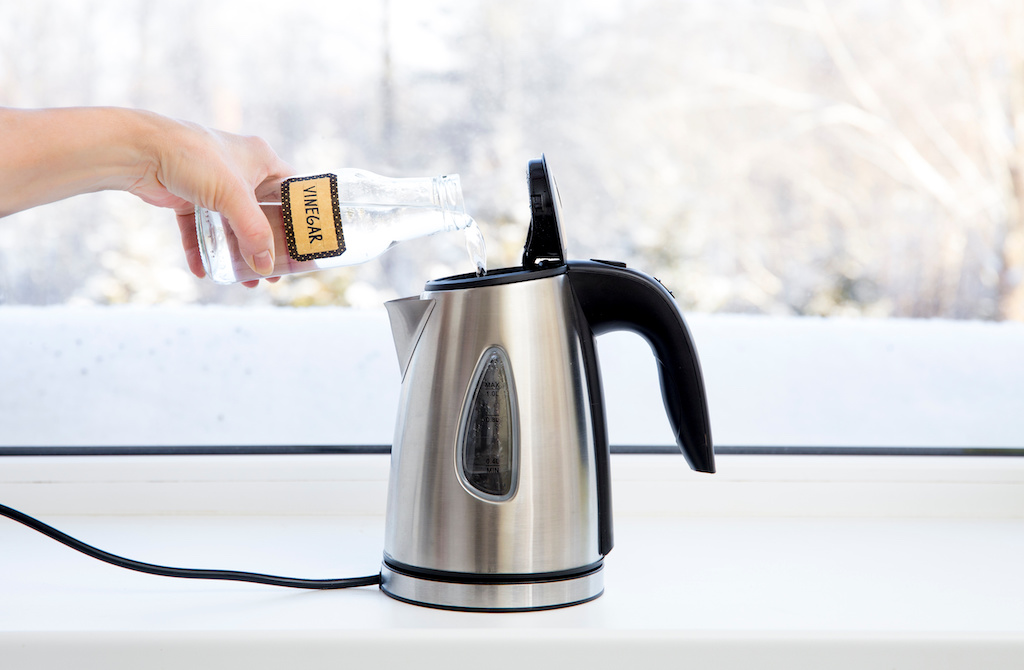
x: 491, y: 593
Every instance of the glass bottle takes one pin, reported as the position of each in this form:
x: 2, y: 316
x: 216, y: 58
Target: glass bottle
x: 342, y: 218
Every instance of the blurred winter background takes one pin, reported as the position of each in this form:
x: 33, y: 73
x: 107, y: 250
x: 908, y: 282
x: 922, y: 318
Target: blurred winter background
x: 821, y: 157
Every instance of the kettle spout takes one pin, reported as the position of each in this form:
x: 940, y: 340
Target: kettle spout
x: 408, y: 317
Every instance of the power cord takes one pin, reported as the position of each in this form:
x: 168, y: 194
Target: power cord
x: 183, y: 573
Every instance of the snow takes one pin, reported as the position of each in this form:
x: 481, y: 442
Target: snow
x: 136, y: 376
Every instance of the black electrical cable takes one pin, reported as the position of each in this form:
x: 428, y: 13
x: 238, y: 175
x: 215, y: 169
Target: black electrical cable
x: 183, y: 573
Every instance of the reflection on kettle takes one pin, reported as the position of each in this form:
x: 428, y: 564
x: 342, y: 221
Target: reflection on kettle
x: 499, y: 496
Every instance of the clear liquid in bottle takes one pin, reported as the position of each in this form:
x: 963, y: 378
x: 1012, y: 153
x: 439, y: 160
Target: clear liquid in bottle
x: 351, y: 217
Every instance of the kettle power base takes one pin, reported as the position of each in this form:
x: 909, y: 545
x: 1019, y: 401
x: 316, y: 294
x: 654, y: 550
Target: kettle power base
x: 492, y: 593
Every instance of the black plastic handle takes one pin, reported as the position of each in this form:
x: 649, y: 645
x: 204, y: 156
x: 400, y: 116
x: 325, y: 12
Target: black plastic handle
x: 614, y: 297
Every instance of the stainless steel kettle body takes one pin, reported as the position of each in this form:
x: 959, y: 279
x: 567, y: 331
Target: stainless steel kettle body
x: 525, y: 507
x: 499, y: 494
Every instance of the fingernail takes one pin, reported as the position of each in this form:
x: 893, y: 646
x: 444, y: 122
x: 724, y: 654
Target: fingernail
x: 263, y: 262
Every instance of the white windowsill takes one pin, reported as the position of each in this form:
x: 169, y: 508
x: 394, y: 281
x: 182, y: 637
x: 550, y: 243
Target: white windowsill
x: 779, y: 561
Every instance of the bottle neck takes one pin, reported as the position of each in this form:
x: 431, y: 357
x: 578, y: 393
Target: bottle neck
x: 447, y: 195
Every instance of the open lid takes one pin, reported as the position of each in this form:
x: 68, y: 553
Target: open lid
x: 544, y: 245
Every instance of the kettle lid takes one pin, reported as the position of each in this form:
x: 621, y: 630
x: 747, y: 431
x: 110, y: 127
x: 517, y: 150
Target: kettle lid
x: 544, y: 245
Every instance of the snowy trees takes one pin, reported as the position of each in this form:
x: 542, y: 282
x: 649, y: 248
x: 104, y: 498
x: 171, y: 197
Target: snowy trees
x: 818, y: 157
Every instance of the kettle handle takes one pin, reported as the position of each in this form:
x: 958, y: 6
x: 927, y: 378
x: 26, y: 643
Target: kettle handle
x: 614, y: 297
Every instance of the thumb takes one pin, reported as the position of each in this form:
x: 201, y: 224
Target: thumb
x: 243, y: 215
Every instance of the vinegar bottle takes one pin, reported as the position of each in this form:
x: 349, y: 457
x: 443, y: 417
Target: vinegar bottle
x: 342, y: 218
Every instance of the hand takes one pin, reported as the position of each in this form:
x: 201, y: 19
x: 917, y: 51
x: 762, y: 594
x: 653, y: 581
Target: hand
x: 222, y: 172
x: 51, y: 154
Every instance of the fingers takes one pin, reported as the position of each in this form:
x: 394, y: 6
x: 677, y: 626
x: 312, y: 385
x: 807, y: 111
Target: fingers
x: 251, y: 228
x: 227, y: 173
x: 190, y: 242
x: 255, y: 283
x: 249, y: 163
x: 190, y: 165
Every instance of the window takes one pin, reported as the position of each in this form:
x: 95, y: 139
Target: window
x: 838, y: 158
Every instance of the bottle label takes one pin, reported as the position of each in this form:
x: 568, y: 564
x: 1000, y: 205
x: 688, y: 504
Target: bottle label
x: 312, y: 217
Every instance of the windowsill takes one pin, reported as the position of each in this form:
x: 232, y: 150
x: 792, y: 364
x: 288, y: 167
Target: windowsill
x: 786, y: 560
x: 781, y: 561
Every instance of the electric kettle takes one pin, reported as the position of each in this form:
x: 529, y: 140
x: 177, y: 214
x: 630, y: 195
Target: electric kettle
x: 499, y: 496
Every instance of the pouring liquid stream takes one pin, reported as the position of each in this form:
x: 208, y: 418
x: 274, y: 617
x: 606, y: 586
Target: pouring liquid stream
x: 476, y: 247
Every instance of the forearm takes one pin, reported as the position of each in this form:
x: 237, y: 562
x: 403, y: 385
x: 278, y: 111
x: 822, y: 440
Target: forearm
x: 51, y: 154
